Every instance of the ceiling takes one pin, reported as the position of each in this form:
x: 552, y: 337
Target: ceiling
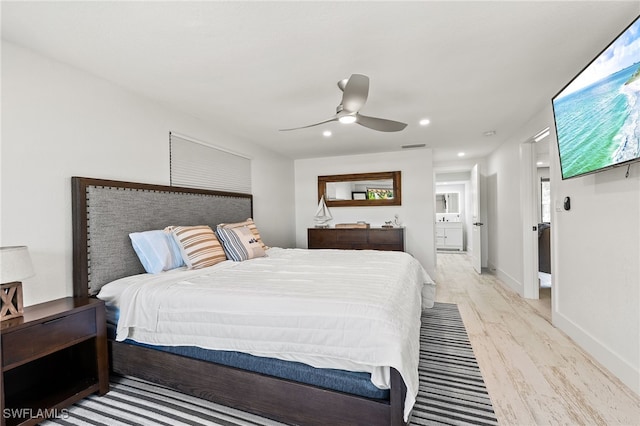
x: 251, y: 68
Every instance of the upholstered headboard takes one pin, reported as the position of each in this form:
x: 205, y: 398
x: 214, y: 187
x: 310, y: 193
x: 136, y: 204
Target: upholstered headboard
x: 106, y: 211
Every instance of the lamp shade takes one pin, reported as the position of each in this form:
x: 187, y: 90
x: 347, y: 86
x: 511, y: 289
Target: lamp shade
x: 15, y: 264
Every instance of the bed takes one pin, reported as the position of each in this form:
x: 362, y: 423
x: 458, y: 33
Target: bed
x: 105, y: 212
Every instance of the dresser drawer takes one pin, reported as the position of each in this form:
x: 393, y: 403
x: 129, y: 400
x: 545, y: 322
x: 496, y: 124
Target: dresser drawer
x: 47, y: 336
x: 321, y: 238
x: 384, y: 236
x: 353, y: 236
x: 356, y: 238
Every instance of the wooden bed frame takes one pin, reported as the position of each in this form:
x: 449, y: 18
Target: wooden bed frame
x: 279, y: 399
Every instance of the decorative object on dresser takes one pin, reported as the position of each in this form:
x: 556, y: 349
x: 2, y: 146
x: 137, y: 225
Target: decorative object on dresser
x: 353, y: 225
x: 391, y: 239
x: 54, y: 355
x: 15, y: 266
x: 323, y: 215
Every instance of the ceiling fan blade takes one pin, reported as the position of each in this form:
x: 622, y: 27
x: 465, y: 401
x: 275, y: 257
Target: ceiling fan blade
x: 380, y: 124
x: 356, y: 92
x: 312, y: 125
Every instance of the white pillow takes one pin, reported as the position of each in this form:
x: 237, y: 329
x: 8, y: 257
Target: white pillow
x: 157, y: 250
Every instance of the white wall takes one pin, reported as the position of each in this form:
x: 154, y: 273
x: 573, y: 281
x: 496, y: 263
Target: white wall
x: 596, y: 265
x: 59, y: 122
x: 504, y: 215
x: 417, y: 212
x: 595, y: 250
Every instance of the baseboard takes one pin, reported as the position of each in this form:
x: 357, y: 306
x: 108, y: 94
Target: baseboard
x: 507, y: 279
x: 625, y: 372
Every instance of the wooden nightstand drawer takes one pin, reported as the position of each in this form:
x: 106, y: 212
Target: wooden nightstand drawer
x: 48, y: 336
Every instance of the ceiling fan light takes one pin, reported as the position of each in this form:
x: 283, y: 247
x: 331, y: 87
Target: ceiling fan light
x: 347, y: 119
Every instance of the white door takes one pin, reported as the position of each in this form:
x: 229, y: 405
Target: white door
x: 476, y: 234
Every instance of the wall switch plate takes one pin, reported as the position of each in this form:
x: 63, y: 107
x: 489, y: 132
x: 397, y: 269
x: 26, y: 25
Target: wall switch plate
x: 559, y: 206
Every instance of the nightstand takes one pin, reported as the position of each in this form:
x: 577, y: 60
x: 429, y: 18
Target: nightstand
x: 53, y: 356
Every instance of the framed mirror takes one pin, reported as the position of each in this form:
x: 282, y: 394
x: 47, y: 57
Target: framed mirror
x: 448, y: 202
x: 361, y: 189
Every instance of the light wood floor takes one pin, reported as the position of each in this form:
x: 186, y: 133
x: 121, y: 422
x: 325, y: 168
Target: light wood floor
x: 534, y: 373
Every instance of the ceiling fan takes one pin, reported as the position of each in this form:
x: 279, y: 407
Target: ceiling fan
x: 355, y: 92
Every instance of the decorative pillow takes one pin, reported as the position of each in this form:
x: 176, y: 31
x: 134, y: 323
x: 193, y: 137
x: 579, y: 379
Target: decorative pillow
x: 249, y: 224
x: 156, y: 250
x: 199, y: 246
x: 239, y: 243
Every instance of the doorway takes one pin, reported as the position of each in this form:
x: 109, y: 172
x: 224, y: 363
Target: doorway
x: 458, y: 227
x: 544, y: 236
x: 452, y: 211
x: 536, y: 196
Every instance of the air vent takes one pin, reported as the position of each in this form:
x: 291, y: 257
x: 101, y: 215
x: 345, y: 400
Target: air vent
x: 416, y: 145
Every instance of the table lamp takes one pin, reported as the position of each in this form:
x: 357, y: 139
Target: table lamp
x: 15, y: 266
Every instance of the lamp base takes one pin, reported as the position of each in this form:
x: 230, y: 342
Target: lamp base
x: 11, y: 305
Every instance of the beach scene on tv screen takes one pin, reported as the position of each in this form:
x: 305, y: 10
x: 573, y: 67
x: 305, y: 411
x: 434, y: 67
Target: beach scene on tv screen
x: 598, y: 114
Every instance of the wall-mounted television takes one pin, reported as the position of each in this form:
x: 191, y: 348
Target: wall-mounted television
x: 597, y: 115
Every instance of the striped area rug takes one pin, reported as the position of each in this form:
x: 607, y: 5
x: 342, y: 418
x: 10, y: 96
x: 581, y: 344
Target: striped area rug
x: 452, y: 390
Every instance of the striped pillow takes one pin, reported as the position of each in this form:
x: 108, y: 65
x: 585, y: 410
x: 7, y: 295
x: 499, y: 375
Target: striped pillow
x: 198, y: 245
x: 249, y: 224
x: 239, y: 243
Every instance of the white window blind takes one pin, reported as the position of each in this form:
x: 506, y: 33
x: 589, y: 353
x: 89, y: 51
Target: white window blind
x: 195, y: 164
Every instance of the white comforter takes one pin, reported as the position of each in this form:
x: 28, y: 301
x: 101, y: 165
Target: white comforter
x: 350, y: 310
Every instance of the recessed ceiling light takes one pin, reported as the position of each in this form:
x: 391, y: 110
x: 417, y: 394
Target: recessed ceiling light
x: 489, y: 133
x: 424, y: 121
x: 461, y: 154
x: 326, y: 133
x: 539, y: 163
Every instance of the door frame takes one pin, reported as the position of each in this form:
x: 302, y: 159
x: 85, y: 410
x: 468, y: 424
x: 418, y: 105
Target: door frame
x: 476, y: 218
x: 528, y: 202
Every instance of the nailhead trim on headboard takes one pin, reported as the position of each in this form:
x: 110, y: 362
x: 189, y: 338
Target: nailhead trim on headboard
x: 105, y: 212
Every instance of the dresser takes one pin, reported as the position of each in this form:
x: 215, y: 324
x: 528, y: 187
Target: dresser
x: 391, y: 239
